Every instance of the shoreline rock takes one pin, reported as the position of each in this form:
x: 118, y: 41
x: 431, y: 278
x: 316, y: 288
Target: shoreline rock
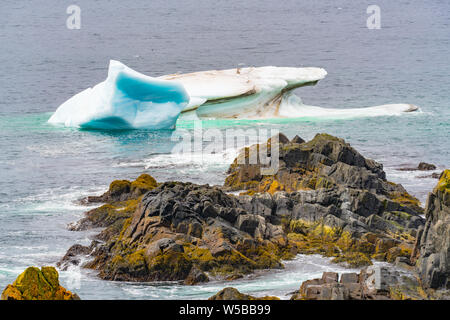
x: 230, y: 293
x: 38, y: 284
x: 372, y: 283
x: 422, y: 166
x: 326, y: 198
x: 432, y: 249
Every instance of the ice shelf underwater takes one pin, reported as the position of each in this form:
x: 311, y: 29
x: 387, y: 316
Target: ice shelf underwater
x: 128, y: 99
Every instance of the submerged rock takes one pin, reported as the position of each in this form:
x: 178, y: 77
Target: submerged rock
x: 426, y: 166
x: 423, y: 166
x: 433, y: 245
x: 38, y: 284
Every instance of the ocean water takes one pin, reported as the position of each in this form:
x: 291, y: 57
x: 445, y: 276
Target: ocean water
x: 45, y: 169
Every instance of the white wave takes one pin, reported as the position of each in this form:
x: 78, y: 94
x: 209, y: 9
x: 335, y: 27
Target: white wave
x: 56, y: 200
x: 190, y: 160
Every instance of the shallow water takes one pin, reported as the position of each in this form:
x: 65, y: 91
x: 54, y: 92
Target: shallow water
x: 44, y: 169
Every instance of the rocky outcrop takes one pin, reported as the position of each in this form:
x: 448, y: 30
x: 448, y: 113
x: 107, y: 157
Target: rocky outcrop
x: 234, y: 294
x: 121, y: 199
x: 433, y: 245
x: 332, y: 200
x: 423, y: 166
x: 372, y: 283
x: 38, y: 284
x: 181, y: 230
x: 122, y: 190
x: 324, y: 163
x: 326, y: 198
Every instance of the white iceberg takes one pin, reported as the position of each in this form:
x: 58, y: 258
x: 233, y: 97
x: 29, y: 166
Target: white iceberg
x: 125, y: 100
x: 128, y: 99
x: 245, y: 93
x: 264, y: 93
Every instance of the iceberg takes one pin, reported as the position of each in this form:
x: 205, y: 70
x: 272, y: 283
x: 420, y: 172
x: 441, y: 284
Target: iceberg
x: 125, y: 100
x: 130, y: 100
x: 264, y: 93
x: 243, y: 93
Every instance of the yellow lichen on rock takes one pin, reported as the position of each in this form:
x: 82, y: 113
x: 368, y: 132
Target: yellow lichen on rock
x: 38, y: 284
x: 444, y: 181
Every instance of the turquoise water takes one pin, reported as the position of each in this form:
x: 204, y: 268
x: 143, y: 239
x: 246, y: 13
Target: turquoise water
x: 44, y: 169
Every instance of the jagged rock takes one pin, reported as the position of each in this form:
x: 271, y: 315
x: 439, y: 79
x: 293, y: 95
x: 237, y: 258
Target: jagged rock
x: 297, y: 139
x: 178, y: 228
x: 37, y: 284
x: 196, y: 276
x: 326, y: 198
x: 233, y: 294
x: 433, y: 247
x: 372, y: 283
x: 72, y: 256
x: 122, y: 190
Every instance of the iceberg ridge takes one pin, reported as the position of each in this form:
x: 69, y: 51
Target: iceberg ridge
x: 125, y: 100
x: 130, y: 100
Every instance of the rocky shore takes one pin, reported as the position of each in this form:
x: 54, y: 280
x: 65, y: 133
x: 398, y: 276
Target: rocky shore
x: 38, y: 284
x: 326, y: 198
x: 432, y: 250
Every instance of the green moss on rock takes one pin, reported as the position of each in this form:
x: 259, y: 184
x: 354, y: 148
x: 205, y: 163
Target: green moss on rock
x: 37, y: 284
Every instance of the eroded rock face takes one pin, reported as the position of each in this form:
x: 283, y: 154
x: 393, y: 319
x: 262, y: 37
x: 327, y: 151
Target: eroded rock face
x: 326, y: 199
x: 122, y: 190
x: 330, y: 194
x: 324, y: 163
x: 38, y: 284
x: 372, y: 283
x: 181, y: 230
x: 433, y: 246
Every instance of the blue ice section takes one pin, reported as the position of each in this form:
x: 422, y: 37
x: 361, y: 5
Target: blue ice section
x: 125, y: 100
x: 107, y: 123
x: 157, y: 92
